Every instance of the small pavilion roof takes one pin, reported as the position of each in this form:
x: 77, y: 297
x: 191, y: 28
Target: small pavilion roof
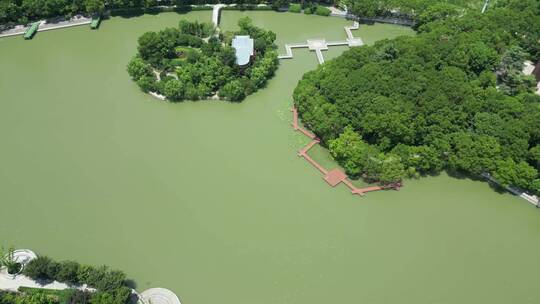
x: 244, y: 49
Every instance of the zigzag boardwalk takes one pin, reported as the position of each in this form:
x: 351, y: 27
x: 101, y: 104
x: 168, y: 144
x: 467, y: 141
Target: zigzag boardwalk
x: 335, y: 176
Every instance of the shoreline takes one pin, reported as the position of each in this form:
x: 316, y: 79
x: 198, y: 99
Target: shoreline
x: 44, y: 26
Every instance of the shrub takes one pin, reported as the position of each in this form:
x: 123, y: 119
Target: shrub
x: 295, y: 8
x: 111, y: 281
x: 232, y: 91
x: 200, y: 30
x: 137, y: 68
x: 309, y: 10
x: 37, y: 269
x: 14, y: 268
x: 147, y: 83
x: 79, y: 296
x: 68, y: 272
x: 322, y: 11
x: 7, y: 259
x: 52, y: 270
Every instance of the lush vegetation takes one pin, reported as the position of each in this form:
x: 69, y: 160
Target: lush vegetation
x: 111, y: 285
x: 409, y: 9
x: 26, y: 295
x: 191, y: 67
x: 42, y: 296
x: 453, y: 97
x: 295, y: 8
x: 7, y: 260
x: 23, y: 11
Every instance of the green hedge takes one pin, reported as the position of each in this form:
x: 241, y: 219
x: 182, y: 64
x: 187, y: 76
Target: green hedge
x: 49, y: 295
x: 322, y: 11
x: 109, y: 284
x: 295, y: 8
x: 309, y: 10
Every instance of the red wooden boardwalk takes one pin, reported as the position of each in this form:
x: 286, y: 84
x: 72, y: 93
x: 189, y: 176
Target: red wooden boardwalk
x: 334, y: 176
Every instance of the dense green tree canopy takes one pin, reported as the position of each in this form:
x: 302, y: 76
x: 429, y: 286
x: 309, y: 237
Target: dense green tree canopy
x: 453, y: 97
x: 194, y: 63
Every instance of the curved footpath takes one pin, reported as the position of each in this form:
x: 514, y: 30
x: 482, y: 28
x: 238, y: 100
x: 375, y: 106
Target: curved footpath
x: 12, y: 283
x: 159, y: 296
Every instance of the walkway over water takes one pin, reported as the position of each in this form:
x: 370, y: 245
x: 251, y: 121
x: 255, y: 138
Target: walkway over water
x: 335, y: 176
x: 319, y: 45
x: 215, y: 13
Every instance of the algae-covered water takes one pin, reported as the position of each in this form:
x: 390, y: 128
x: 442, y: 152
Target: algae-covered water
x: 209, y: 199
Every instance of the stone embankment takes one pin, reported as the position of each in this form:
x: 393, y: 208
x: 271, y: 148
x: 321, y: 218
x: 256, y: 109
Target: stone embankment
x: 47, y: 26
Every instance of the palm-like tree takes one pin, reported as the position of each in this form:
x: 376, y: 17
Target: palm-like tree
x: 7, y: 259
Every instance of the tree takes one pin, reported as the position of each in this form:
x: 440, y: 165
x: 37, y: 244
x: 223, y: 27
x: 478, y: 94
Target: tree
x: 534, y: 155
x: 94, y: 6
x: 202, y: 67
x: 68, y: 272
x: 174, y: 90
x: 508, y: 173
x: 137, y: 68
x: 364, y: 8
x: 385, y: 169
x: 439, y: 100
x: 436, y: 12
x: 351, y: 152
x: 232, y: 91
x: 9, y: 11
x: 391, y: 170
x: 511, y: 79
x: 147, y: 83
x: 38, y: 269
x: 7, y: 259
x: 151, y: 47
x: 474, y: 154
x: 423, y: 159
x: 322, y: 11
x: 195, y: 28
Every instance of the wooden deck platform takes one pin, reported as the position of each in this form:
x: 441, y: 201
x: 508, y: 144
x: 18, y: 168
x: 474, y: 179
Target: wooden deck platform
x: 335, y: 176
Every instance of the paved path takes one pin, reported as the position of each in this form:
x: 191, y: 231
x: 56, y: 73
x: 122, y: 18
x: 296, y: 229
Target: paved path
x: 533, y: 199
x: 319, y: 45
x: 159, y: 296
x: 320, y: 57
x: 44, y: 26
x: 10, y: 283
x: 336, y: 12
x: 215, y: 14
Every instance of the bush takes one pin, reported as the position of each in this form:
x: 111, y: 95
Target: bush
x: 309, y: 10
x: 201, y: 30
x: 14, y: 268
x: 137, y: 68
x: 232, y: 91
x: 38, y: 269
x: 295, y: 8
x: 110, y: 285
x: 68, y: 272
x: 322, y: 11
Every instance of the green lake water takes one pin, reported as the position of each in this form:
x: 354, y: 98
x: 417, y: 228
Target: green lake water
x: 209, y: 199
